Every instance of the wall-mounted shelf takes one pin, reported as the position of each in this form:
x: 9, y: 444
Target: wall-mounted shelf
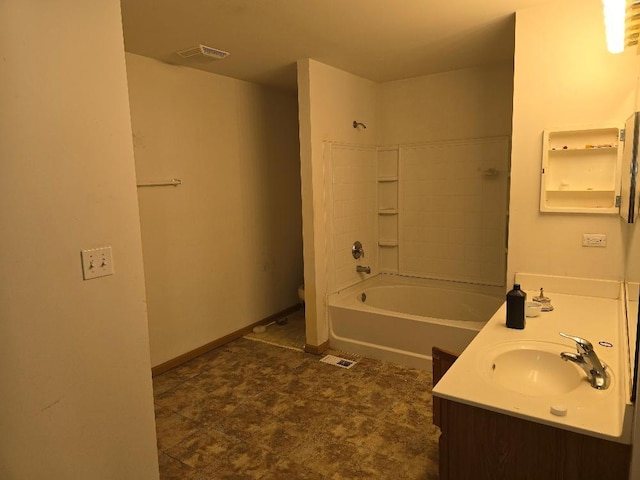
x: 581, y: 170
x: 387, y: 243
x: 174, y: 182
x: 587, y: 190
x: 388, y: 211
x: 569, y: 151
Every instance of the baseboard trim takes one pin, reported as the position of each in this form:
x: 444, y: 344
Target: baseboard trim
x: 317, y: 349
x: 185, y: 357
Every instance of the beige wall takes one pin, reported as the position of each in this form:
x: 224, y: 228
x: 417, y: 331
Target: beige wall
x: 564, y: 77
x: 223, y: 250
x: 452, y: 222
x: 77, y: 399
x: 632, y: 245
x: 469, y: 103
x: 329, y: 101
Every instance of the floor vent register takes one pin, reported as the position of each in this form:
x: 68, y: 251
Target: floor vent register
x: 337, y: 361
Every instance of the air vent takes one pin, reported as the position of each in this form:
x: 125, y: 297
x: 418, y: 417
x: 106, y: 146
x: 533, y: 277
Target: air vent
x: 337, y: 361
x: 203, y: 50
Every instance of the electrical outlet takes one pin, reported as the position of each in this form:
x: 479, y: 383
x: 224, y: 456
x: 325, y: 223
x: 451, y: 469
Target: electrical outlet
x: 594, y: 240
x: 96, y: 262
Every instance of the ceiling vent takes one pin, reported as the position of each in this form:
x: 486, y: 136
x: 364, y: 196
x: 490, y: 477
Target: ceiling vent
x: 203, y: 51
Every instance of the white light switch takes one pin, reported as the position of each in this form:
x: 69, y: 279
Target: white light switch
x: 97, y: 262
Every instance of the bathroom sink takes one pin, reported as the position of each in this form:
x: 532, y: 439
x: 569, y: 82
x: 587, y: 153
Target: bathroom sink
x: 532, y: 368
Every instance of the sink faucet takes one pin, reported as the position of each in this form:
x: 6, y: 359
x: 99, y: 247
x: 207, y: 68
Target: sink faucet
x: 587, y: 359
x: 361, y: 269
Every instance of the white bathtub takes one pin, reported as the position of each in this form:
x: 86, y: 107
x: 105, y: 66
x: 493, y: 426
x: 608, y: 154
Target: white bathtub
x: 402, y: 318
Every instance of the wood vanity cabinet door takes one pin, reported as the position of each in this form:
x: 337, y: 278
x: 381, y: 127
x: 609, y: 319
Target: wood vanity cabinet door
x: 480, y: 444
x: 483, y: 445
x: 442, y: 361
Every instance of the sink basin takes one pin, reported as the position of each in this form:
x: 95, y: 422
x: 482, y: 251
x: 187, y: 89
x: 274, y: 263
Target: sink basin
x: 532, y: 368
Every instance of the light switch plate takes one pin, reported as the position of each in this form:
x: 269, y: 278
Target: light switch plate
x: 594, y: 240
x: 96, y: 262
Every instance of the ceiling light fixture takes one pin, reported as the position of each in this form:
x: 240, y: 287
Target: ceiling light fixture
x: 622, y: 23
x: 632, y: 23
x: 614, y: 13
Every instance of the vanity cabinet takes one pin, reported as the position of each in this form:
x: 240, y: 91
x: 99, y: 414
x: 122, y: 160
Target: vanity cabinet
x: 442, y: 360
x: 581, y: 170
x: 485, y: 445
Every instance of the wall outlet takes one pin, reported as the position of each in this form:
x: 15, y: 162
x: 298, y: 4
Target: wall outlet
x: 594, y: 240
x: 96, y: 262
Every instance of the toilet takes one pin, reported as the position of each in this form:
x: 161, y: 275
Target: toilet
x: 301, y: 293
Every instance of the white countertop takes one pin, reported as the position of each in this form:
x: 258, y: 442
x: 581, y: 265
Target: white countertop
x: 601, y: 413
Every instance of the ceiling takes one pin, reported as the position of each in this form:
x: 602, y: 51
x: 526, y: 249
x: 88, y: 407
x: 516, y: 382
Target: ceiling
x: 375, y: 39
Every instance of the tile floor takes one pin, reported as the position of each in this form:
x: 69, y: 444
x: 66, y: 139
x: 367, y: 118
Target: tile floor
x: 252, y: 410
x: 290, y: 335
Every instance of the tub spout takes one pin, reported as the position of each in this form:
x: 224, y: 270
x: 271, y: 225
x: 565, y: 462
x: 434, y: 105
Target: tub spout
x: 361, y: 269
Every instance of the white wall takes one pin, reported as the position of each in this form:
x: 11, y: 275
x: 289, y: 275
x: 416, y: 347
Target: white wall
x: 223, y: 250
x: 468, y: 103
x: 453, y: 217
x: 77, y: 398
x: 563, y: 77
x: 329, y: 101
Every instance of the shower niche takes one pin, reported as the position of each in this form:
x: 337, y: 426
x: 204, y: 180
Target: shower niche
x: 388, y: 209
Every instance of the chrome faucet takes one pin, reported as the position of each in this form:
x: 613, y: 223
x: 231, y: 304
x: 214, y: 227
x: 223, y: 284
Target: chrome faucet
x: 587, y: 359
x: 361, y: 269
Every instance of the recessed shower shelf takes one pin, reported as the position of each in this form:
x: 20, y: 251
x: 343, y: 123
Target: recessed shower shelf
x: 582, y: 149
x: 573, y: 190
x: 388, y: 215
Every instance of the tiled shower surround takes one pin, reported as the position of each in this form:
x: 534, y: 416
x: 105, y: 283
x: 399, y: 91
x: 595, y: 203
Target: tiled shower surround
x: 353, y: 211
x: 453, y: 200
x: 435, y: 210
x: 250, y: 410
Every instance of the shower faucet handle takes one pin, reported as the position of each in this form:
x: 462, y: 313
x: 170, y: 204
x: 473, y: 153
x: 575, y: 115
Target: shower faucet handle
x: 357, y: 250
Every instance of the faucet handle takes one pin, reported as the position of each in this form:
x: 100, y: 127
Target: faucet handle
x: 583, y: 345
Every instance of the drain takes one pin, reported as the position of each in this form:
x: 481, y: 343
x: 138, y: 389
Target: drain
x: 337, y: 361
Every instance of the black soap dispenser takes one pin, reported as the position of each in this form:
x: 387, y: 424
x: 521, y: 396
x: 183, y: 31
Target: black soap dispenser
x: 516, y: 299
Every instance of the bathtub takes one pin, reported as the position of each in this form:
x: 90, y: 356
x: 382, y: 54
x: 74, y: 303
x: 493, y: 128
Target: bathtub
x: 399, y: 319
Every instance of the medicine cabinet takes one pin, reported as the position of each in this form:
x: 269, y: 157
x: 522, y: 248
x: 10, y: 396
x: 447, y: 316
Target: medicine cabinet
x: 629, y: 191
x: 581, y: 170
